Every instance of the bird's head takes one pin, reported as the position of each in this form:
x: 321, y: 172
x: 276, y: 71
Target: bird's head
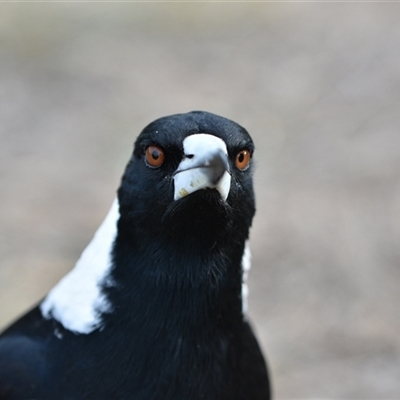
x: 189, y: 181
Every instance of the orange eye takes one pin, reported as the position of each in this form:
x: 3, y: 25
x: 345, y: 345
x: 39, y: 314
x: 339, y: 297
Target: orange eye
x: 154, y: 156
x: 242, y: 159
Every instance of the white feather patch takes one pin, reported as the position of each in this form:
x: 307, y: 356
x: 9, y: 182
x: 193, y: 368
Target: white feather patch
x: 77, y: 301
x: 246, y: 265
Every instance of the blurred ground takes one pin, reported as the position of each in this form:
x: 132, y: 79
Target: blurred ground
x: 318, y: 87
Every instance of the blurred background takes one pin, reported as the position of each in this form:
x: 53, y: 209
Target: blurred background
x: 317, y: 85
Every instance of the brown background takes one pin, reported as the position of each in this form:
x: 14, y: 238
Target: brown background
x: 318, y: 87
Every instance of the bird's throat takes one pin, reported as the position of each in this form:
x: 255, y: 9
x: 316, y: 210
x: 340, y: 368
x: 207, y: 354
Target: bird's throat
x: 176, y: 288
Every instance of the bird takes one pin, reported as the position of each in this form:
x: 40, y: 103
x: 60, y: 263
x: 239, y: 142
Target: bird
x: 155, y: 307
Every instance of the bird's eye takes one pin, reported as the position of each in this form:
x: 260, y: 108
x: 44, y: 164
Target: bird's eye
x: 242, y: 159
x: 154, y: 156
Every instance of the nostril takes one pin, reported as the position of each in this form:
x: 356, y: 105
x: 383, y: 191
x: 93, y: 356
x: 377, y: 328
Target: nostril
x: 189, y: 155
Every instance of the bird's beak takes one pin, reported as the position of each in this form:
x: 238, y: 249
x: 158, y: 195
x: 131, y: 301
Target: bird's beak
x: 205, y: 165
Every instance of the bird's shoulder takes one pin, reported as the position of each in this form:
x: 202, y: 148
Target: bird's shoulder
x: 22, y: 366
x: 23, y: 356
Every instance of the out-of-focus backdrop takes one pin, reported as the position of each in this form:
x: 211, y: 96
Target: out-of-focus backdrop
x: 317, y: 86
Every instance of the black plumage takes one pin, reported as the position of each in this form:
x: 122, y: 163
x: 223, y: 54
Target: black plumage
x: 174, y: 327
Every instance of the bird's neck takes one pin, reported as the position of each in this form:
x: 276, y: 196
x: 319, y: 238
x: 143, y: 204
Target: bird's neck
x: 176, y: 285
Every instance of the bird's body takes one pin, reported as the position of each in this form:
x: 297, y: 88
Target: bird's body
x: 162, y: 317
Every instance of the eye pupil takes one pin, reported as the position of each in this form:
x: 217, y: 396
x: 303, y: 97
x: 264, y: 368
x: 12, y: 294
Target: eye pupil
x: 241, y: 157
x: 155, y: 154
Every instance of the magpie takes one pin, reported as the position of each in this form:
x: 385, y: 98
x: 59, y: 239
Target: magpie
x: 155, y: 307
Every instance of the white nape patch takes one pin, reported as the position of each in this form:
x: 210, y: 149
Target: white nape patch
x: 193, y: 171
x: 246, y: 265
x: 77, y: 301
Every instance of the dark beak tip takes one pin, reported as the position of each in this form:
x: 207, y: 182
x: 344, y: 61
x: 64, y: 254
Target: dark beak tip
x: 218, y: 165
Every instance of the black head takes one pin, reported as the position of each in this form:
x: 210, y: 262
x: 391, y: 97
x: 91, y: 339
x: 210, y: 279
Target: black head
x: 146, y: 196
x: 148, y: 205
